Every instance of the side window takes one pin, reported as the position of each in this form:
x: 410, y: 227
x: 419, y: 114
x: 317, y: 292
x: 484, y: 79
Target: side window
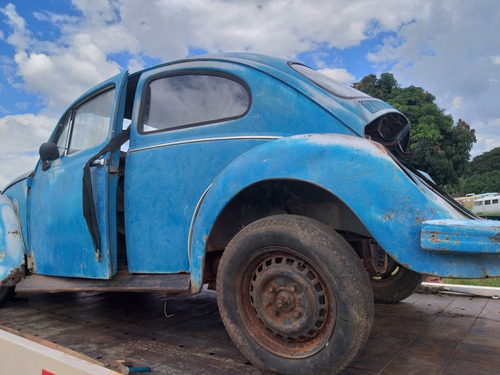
x: 189, y: 99
x: 91, y: 122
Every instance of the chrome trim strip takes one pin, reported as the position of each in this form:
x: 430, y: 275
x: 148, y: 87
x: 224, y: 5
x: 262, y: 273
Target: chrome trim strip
x: 250, y: 137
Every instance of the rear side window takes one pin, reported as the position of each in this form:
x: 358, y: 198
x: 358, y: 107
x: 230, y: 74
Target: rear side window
x: 192, y: 99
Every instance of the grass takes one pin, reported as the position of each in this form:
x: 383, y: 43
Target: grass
x: 492, y: 282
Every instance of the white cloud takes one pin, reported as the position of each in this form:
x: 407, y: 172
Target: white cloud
x: 457, y: 102
x: 59, y: 70
x: 61, y: 78
x: 341, y: 75
x: 451, y: 50
x: 487, y: 134
x: 24, y: 132
x: 166, y: 29
x: 20, y: 138
x: 19, y: 38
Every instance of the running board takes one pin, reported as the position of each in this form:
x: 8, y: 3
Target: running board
x: 175, y: 283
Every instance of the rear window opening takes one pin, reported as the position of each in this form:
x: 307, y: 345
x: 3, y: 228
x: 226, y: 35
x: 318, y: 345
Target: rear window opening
x: 331, y: 85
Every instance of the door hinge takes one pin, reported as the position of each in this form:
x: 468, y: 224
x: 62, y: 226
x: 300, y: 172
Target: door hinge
x: 112, y: 169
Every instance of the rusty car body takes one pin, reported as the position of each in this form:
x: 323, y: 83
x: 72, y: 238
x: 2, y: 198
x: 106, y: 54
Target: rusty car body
x: 285, y: 190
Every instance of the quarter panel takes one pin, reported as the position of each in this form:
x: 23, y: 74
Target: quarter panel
x: 365, y: 177
x: 163, y: 187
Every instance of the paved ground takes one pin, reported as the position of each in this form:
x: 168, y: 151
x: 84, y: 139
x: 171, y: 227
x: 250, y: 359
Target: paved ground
x: 426, y: 334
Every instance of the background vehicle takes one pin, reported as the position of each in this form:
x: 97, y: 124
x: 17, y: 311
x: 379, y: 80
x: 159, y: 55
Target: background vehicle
x: 285, y: 190
x: 487, y: 206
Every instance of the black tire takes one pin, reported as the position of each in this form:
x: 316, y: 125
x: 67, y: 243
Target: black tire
x: 6, y: 293
x: 294, y: 296
x: 396, y: 284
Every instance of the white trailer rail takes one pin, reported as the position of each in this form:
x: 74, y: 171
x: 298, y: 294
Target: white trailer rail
x: 22, y: 355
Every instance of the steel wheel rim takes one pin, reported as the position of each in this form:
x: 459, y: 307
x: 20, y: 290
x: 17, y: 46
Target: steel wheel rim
x: 288, y: 305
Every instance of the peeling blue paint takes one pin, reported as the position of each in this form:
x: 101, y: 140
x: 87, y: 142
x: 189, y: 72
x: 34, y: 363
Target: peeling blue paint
x: 11, y: 244
x: 461, y: 236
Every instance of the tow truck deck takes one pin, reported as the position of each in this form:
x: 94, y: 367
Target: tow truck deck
x: 428, y: 333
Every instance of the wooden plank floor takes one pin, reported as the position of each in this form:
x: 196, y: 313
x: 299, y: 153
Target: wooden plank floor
x: 426, y: 334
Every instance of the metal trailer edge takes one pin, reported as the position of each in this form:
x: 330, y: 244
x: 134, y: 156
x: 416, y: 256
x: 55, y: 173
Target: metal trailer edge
x: 25, y: 355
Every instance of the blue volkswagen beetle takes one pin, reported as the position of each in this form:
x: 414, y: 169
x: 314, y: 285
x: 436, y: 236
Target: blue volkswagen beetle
x: 286, y: 191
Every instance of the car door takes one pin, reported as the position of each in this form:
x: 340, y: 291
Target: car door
x: 188, y: 131
x: 60, y: 241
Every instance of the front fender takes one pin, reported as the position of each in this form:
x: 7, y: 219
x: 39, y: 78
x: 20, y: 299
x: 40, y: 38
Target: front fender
x: 365, y: 177
x: 12, y: 260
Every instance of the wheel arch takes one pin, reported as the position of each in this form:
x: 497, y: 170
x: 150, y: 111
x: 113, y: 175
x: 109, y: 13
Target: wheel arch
x: 282, y: 196
x: 353, y: 174
x: 273, y: 197
x: 303, y: 175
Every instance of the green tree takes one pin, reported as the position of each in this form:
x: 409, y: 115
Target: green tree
x: 378, y: 88
x: 443, y: 147
x: 487, y: 162
x: 483, y: 174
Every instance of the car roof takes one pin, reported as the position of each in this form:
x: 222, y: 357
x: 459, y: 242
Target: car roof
x: 354, y: 112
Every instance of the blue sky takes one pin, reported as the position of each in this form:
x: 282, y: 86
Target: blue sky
x: 52, y: 51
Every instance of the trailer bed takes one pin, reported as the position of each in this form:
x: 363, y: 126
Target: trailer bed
x: 425, y: 334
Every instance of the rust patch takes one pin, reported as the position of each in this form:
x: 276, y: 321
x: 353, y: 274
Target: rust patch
x: 31, y: 262
x: 495, y: 238
x: 419, y: 219
x: 16, y: 275
x: 433, y: 237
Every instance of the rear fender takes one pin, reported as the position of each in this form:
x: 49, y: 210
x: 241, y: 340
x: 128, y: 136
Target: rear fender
x: 365, y: 177
x: 350, y: 167
x: 12, y: 259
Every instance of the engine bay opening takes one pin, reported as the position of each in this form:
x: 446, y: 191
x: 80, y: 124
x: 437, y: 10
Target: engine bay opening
x: 391, y: 130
